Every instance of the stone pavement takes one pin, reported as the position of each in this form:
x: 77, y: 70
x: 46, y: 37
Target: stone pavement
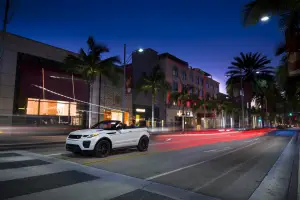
x: 30, y: 176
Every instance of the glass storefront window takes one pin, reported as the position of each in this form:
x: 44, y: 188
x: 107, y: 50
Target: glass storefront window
x: 51, y: 107
x: 32, y: 107
x: 116, y: 116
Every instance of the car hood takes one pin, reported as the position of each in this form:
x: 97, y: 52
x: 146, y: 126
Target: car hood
x: 86, y: 131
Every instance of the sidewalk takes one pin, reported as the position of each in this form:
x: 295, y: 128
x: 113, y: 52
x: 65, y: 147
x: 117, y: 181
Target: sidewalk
x: 47, y: 178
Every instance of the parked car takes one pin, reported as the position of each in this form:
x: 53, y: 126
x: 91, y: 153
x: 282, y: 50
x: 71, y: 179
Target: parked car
x: 105, y: 136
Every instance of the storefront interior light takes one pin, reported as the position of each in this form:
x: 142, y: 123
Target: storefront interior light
x: 140, y: 110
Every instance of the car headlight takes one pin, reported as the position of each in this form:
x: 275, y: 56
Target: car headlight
x: 93, y: 135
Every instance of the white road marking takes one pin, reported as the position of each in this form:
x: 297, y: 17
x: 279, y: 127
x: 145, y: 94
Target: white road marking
x: 227, y: 172
x: 252, y: 140
x: 168, y: 139
x: 218, y: 150
x: 199, y: 163
x: 56, y: 154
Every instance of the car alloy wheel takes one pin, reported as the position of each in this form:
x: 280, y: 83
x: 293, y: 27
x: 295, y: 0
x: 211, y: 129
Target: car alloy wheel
x: 103, y: 149
x: 143, y: 144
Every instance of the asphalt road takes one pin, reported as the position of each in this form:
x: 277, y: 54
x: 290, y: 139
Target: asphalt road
x: 225, y: 166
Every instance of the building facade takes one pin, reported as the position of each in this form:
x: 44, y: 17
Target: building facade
x: 178, y: 73
x: 35, y: 89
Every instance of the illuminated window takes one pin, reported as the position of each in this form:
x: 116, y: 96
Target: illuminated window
x: 32, y: 107
x: 51, y: 107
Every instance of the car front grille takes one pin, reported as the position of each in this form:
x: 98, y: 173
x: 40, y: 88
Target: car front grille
x: 74, y: 136
x: 73, y: 147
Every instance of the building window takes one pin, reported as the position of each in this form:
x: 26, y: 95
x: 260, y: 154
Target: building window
x: 200, y: 81
x: 175, y: 71
x: 207, y: 85
x: 191, y: 77
x: 183, y: 75
x: 175, y: 86
x: 117, y: 99
x: 197, y: 80
x: 201, y: 93
x: 191, y: 91
x: 197, y: 92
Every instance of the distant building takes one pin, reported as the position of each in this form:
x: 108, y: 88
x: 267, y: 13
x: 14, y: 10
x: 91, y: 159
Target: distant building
x: 177, y: 72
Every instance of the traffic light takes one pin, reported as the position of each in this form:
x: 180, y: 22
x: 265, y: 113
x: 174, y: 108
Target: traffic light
x: 290, y: 114
x: 259, y: 119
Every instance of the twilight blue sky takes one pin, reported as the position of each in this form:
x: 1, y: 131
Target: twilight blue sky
x: 207, y: 34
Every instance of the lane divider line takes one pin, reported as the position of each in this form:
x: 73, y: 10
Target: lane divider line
x: 218, y: 150
x: 230, y: 170
x: 199, y: 163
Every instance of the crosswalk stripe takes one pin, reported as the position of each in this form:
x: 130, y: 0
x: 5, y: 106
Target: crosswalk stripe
x: 17, y: 173
x: 15, y: 158
x: 86, y: 190
x: 20, y: 164
x: 9, y: 154
x: 18, y: 187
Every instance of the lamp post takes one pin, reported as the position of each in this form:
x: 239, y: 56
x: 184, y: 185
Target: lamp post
x: 242, y: 99
x: 125, y: 62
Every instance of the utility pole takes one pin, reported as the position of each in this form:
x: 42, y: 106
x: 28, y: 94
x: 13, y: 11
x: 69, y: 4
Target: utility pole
x: 5, y: 19
x: 124, y: 84
x: 242, y: 100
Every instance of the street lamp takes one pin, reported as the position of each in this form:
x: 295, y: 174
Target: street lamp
x: 140, y: 50
x: 265, y: 18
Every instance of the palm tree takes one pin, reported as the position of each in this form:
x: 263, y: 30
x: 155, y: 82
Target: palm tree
x: 154, y: 83
x: 89, y: 64
x: 183, y: 97
x: 250, y: 69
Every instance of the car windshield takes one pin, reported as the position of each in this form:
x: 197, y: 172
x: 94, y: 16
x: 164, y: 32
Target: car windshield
x: 106, y: 125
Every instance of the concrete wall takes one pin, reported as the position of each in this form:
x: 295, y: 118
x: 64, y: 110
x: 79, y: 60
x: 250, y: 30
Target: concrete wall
x: 111, y: 98
x: 10, y: 46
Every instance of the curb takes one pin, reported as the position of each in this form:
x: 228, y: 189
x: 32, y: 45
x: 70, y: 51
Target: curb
x: 276, y: 184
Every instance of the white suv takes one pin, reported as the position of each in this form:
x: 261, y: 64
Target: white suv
x: 105, y: 136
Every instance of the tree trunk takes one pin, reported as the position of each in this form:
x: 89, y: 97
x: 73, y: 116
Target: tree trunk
x: 204, y: 124
x: 99, y: 110
x: 153, y: 105
x: 263, y: 112
x: 182, y: 117
x: 90, y: 105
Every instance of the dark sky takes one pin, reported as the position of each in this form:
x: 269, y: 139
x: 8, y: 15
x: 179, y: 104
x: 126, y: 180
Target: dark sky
x: 206, y: 33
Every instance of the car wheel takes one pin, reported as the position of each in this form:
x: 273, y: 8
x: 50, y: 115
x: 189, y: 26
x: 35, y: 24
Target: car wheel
x: 143, y: 144
x: 102, y: 149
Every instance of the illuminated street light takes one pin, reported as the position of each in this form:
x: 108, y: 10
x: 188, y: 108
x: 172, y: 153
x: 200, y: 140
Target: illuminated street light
x: 265, y: 18
x: 257, y: 72
x: 140, y: 50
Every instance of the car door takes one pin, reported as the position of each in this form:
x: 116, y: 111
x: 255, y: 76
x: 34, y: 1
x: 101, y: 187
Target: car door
x: 122, y: 138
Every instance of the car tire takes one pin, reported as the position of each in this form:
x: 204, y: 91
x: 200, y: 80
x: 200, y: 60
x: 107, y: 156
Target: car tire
x: 143, y: 144
x: 102, y: 149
